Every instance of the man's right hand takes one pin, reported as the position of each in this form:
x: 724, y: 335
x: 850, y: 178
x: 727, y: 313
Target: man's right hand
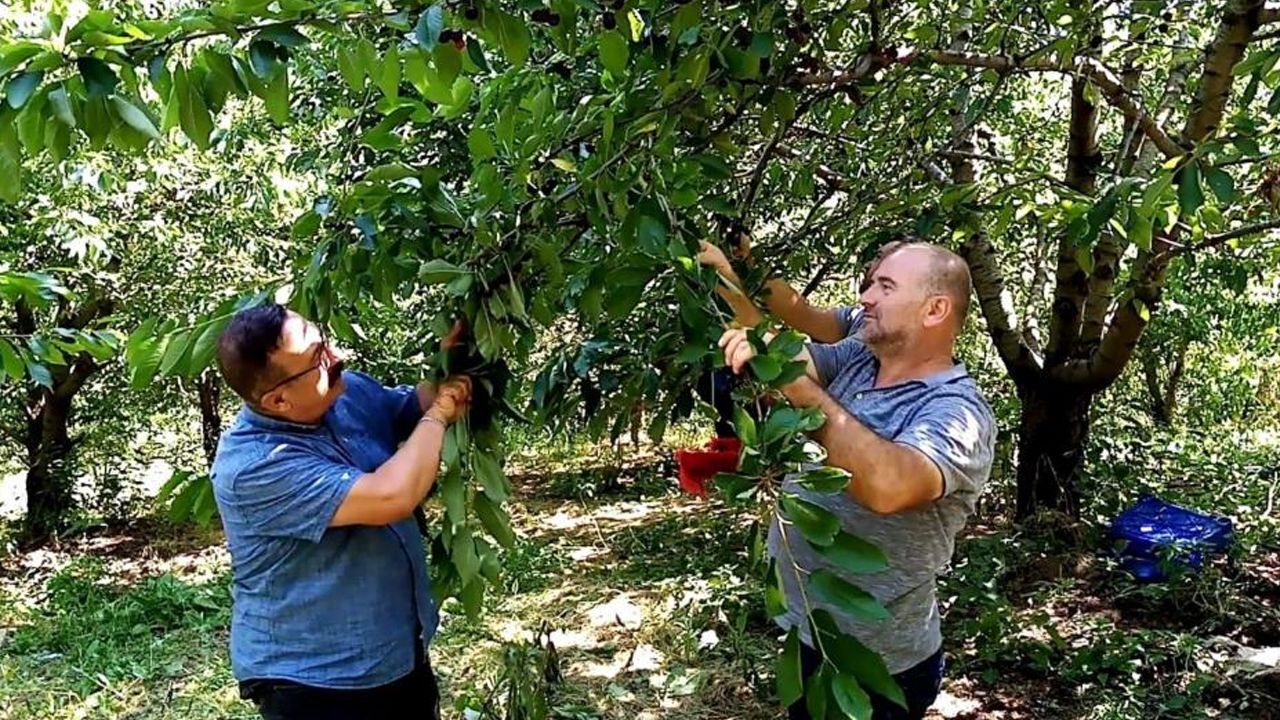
x: 452, y: 399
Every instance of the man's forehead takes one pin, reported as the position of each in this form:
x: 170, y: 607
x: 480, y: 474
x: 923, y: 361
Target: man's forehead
x: 296, y: 335
x: 904, y: 264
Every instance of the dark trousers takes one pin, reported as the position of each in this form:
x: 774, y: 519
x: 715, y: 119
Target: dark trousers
x: 920, y: 684
x: 415, y: 695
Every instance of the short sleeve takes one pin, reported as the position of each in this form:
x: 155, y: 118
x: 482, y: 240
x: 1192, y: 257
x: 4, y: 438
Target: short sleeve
x: 291, y: 492
x: 850, y: 318
x: 957, y: 432
x: 404, y: 408
x: 829, y: 359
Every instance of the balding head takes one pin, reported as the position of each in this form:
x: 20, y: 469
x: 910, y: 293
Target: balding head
x: 917, y: 300
x: 947, y: 274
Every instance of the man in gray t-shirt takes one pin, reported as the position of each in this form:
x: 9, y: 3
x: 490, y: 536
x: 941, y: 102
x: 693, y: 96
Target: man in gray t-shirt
x: 911, y: 427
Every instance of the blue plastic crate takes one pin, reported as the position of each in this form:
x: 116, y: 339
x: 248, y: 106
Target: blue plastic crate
x: 1153, y: 529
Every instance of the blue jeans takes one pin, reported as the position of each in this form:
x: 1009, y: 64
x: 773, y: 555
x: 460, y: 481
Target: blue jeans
x: 920, y: 684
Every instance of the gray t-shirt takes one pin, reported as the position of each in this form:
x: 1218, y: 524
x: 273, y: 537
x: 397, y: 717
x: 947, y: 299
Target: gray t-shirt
x: 943, y: 416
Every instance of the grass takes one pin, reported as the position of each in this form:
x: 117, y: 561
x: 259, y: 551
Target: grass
x: 633, y: 598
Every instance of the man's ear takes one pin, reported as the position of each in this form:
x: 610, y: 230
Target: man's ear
x: 274, y: 402
x: 938, y: 310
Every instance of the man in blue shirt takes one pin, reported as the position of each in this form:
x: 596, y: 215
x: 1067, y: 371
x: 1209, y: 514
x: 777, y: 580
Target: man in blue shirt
x: 316, y: 482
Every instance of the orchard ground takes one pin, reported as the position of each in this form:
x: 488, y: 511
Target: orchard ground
x: 641, y: 592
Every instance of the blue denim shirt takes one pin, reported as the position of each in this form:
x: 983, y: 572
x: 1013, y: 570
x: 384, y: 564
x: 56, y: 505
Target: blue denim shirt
x: 333, y: 607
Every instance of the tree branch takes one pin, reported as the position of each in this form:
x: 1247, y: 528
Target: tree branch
x: 1111, y: 86
x: 1103, y: 366
x: 1107, y: 252
x: 988, y: 283
x: 1240, y: 19
x: 1213, y: 241
x: 1071, y: 291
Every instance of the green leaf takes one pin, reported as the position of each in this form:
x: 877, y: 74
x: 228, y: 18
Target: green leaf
x: 430, y: 23
x: 735, y: 486
x: 389, y: 73
x: 18, y: 90
x: 622, y: 299
x: 17, y: 53
x: 205, y: 345
x: 11, y: 361
x: 614, y: 52
x: 480, y: 145
x: 454, y: 494
x: 39, y: 373
x: 174, y: 350
x: 1224, y: 187
x: 765, y: 367
x: 818, y: 525
x: 283, y: 35
x: 10, y: 161
x: 832, y: 589
x: 1273, y: 105
x: 193, y: 114
x: 790, y: 682
x: 134, y: 117
x: 815, y: 693
x: 1139, y: 230
x: 439, y: 271
x: 1190, y: 196
x: 745, y: 426
x: 854, y: 554
x: 464, y: 556
x: 824, y: 480
x: 180, y: 510
x: 851, y: 656
x: 448, y: 62
x: 176, y: 478
x: 850, y: 697
x: 494, y: 520
x: 490, y: 474
x: 99, y: 78
x: 277, y: 97
x: 348, y: 65
x: 472, y: 597
x: 62, y: 106
x: 775, y: 599
x: 515, y: 39
x: 146, y: 362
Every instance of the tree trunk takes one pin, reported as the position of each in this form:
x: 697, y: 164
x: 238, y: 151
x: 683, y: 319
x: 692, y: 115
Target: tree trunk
x: 1164, y: 393
x: 1052, y: 431
x: 49, y: 497
x: 210, y: 418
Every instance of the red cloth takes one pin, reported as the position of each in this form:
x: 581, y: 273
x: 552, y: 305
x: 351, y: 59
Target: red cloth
x: 698, y: 466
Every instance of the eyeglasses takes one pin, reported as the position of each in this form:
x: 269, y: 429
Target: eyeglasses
x: 324, y: 358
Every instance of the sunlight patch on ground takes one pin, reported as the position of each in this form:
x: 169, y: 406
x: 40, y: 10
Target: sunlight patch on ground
x: 621, y: 610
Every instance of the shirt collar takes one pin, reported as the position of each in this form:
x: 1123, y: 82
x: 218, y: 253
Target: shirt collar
x: 955, y: 372
x: 266, y: 422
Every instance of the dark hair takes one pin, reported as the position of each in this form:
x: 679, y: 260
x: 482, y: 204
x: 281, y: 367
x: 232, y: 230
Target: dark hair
x: 245, y: 347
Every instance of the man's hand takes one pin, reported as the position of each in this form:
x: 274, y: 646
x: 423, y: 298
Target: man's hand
x: 714, y: 257
x: 452, y: 399
x: 455, y: 335
x: 737, y: 349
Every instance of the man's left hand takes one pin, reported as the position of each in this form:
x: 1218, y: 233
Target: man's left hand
x: 737, y: 347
